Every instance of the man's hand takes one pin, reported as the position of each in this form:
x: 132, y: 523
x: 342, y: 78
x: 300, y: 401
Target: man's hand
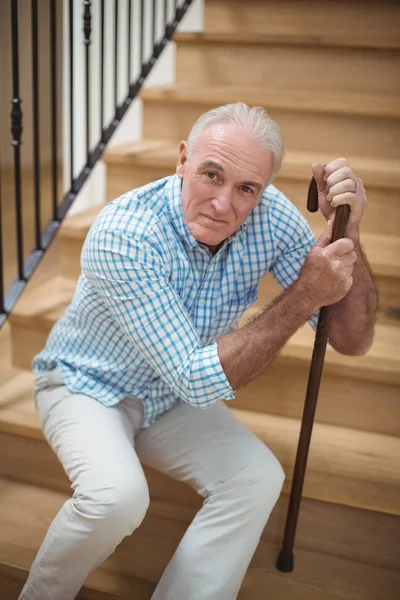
x: 327, y: 273
x: 338, y: 184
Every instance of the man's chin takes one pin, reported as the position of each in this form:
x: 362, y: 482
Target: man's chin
x: 202, y: 235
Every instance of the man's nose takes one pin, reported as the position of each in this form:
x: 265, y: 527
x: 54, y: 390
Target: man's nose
x: 222, y: 201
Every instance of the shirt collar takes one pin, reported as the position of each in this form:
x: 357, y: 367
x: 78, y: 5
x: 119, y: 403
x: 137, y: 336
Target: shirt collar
x: 173, y: 191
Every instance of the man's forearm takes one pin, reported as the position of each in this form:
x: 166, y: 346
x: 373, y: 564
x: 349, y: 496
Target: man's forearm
x: 353, y: 318
x: 245, y: 352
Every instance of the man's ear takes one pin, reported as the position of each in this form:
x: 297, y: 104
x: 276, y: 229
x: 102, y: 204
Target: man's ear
x: 180, y: 166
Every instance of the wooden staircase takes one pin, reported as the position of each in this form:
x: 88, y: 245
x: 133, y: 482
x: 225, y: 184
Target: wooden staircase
x: 330, y: 76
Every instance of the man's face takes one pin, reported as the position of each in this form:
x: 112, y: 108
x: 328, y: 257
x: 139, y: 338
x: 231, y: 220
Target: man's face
x: 223, y: 181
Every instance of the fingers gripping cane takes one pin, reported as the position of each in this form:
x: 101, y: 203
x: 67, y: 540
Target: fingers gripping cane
x: 285, y: 562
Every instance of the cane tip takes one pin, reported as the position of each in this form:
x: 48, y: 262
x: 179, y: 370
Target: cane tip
x: 285, y: 563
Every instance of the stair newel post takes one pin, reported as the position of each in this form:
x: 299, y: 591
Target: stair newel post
x: 285, y: 562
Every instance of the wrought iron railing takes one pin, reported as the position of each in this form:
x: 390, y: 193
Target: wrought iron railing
x: 167, y: 12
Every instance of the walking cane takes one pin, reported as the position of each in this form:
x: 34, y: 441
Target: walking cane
x: 285, y: 562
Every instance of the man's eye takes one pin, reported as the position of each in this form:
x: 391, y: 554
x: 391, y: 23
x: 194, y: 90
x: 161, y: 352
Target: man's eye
x: 211, y: 174
x: 246, y: 189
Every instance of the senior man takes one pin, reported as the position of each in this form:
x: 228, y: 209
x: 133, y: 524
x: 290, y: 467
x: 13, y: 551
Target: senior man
x: 151, y: 338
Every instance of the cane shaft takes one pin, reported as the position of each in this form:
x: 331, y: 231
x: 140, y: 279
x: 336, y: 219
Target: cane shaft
x: 285, y: 561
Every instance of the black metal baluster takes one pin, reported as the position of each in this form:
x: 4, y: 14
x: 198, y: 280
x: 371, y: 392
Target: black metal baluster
x: 102, y: 69
x: 87, y: 29
x: 129, y: 37
x: 71, y: 89
x: 16, y: 130
x: 116, y: 55
x: 35, y: 108
x: 53, y: 92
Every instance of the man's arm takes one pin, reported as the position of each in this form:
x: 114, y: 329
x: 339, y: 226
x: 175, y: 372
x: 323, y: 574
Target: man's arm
x: 353, y: 318
x: 245, y: 352
x: 324, y: 279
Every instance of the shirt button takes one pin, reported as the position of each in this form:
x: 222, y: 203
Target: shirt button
x: 202, y: 302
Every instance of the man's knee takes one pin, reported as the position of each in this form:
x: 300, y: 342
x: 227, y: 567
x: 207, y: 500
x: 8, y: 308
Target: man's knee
x: 269, y: 476
x: 261, y: 481
x: 114, y: 504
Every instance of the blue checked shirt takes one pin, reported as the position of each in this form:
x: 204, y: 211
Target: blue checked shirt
x: 151, y: 302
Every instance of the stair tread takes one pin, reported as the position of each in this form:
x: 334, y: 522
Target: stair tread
x: 291, y: 36
x: 41, y: 307
x: 79, y: 223
x: 357, y: 458
x: 44, y: 304
x: 378, y: 172
x: 346, y: 102
x: 26, y: 512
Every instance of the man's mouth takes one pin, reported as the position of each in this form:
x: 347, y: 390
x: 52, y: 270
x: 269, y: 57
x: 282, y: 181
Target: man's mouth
x: 213, y: 220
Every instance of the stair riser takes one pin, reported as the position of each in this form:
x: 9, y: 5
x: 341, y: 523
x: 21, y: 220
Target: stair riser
x: 299, y: 18
x: 342, y: 401
x: 280, y: 67
x: 382, y: 215
x: 25, y: 343
x: 323, y: 528
x: 314, y: 132
x: 121, y: 178
x: 70, y: 263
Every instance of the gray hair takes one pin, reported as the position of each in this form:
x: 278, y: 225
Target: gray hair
x: 262, y: 128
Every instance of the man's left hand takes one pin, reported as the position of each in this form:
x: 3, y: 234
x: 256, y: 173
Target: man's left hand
x: 338, y: 184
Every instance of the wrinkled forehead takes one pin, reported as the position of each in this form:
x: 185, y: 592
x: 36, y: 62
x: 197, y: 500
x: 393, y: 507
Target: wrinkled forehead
x: 233, y: 148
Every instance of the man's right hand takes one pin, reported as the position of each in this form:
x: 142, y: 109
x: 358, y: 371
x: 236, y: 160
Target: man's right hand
x: 326, y: 275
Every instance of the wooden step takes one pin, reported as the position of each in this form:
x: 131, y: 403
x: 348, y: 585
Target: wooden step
x: 381, y: 363
x: 351, y: 125
x: 366, y: 540
x: 204, y: 59
x: 132, y: 165
x: 353, y: 23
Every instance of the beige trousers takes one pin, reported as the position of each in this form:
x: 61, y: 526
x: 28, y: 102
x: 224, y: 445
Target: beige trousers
x: 101, y: 450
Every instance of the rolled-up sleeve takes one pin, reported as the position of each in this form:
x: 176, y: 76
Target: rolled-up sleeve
x: 132, y: 279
